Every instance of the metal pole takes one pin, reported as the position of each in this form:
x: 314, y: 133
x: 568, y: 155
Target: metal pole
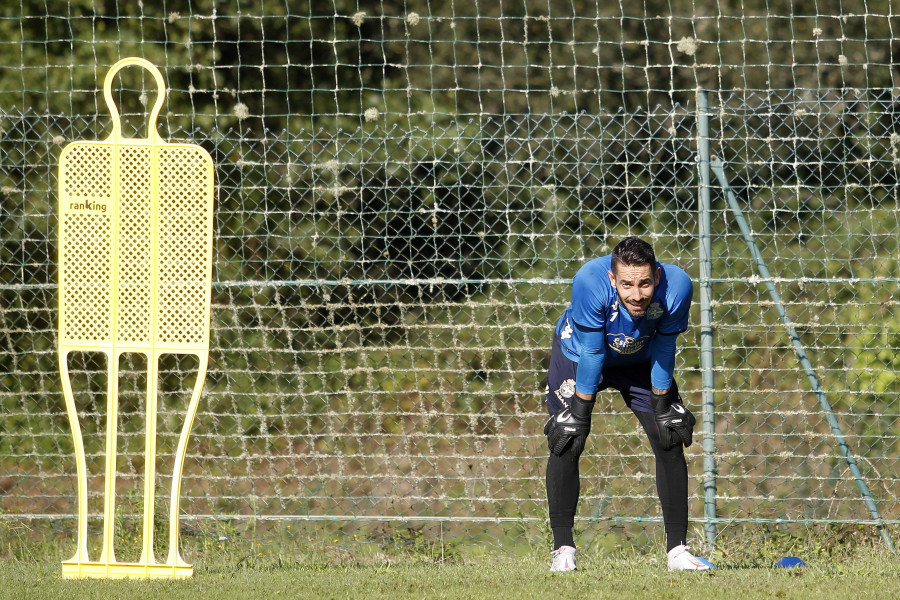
x: 801, y: 352
x: 706, y: 330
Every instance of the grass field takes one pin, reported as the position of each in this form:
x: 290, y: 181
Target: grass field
x: 867, y: 573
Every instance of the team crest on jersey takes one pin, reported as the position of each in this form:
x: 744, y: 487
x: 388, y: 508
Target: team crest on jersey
x: 654, y: 311
x: 624, y: 344
x: 566, y: 390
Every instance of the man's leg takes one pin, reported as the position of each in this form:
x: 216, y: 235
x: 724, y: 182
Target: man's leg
x: 671, y: 483
x: 671, y: 468
x: 563, y: 488
x: 563, y: 479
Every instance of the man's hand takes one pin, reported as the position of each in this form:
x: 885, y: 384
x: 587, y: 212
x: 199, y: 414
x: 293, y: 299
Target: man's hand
x: 673, y: 420
x: 567, y: 430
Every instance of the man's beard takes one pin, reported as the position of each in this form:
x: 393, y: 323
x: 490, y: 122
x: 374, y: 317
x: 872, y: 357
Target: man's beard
x: 635, y: 311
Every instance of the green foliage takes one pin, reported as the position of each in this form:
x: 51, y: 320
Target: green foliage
x: 877, y: 357
x: 329, y: 63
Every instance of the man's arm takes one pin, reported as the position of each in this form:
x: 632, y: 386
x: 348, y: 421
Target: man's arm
x: 590, y: 364
x: 662, y: 362
x: 568, y: 428
x: 673, y: 420
x: 588, y: 312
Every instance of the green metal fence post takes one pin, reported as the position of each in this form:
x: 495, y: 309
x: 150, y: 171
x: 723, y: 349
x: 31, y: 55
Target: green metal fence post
x: 706, y: 330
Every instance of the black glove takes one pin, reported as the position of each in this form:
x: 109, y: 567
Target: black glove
x: 568, y: 428
x: 673, y: 420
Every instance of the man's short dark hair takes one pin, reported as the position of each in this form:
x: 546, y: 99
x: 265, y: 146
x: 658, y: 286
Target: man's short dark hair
x: 634, y: 252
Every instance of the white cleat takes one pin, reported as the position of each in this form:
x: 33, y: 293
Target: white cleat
x: 682, y: 560
x: 563, y: 559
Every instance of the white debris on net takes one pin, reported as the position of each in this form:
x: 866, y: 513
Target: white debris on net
x: 174, y: 16
x: 59, y: 140
x: 413, y: 19
x: 358, y: 18
x: 843, y: 60
x: 817, y: 32
x: 688, y: 45
x: 371, y: 114
x: 332, y: 165
x: 241, y: 111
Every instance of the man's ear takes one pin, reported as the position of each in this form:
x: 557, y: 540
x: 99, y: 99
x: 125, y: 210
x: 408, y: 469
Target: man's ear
x: 658, y: 272
x: 612, y: 278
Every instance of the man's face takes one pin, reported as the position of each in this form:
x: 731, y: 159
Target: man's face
x: 635, y: 285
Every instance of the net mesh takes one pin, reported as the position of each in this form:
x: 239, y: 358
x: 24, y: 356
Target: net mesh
x: 403, y: 193
x: 817, y: 173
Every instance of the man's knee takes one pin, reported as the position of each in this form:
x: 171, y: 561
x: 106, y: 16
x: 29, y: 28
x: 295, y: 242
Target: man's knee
x: 649, y: 425
x: 567, y: 429
x: 574, y: 450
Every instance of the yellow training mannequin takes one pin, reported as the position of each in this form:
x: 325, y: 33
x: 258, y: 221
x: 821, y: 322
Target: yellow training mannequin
x: 135, y: 275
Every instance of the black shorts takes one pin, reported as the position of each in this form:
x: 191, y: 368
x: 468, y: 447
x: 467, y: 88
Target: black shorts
x: 632, y: 381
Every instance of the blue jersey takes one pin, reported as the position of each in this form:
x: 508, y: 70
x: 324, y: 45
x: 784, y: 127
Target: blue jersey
x: 628, y: 340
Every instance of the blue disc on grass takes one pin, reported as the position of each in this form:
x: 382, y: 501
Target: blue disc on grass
x: 790, y: 561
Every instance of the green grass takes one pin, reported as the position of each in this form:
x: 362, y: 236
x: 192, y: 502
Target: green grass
x: 870, y: 573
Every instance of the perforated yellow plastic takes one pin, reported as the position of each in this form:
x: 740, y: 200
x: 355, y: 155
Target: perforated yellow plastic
x: 135, y: 275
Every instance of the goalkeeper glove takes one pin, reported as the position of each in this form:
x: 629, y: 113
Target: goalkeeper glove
x: 568, y: 428
x: 673, y: 420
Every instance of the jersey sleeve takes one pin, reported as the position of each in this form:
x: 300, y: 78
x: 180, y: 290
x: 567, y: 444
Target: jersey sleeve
x: 588, y: 306
x: 679, y: 293
x: 662, y: 361
x: 588, y: 311
x: 590, y: 365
